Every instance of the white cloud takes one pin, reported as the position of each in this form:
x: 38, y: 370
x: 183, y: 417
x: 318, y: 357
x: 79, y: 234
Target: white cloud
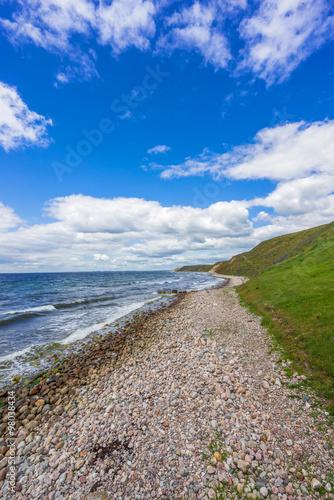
x: 283, y: 152
x: 127, y: 230
x: 50, y: 23
x: 296, y: 157
x: 264, y: 216
x: 278, y: 35
x: 101, y: 256
x: 161, y: 148
x: 19, y: 126
x: 8, y: 218
x: 133, y: 217
x: 132, y: 233
x: 301, y: 196
x: 66, y: 27
x: 281, y: 34
x: 195, y: 29
x: 126, y: 23
x: 81, y: 68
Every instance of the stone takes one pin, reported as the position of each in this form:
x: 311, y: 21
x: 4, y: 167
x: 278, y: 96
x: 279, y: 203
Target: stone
x: 315, y: 484
x: 23, y: 408
x: 304, y: 490
x: 31, y: 425
x: 40, y: 402
x: 3, y: 474
x: 98, y: 495
x: 223, y: 477
x: 79, y: 463
x: 264, y: 492
x: 59, y: 410
x: 328, y: 487
x: 243, y: 465
x: 265, y: 384
x: 218, y: 456
x: 48, y: 441
x: 210, y: 469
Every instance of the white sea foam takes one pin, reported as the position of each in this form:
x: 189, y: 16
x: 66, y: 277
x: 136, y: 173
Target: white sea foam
x: 32, y: 310
x: 15, y: 354
x: 81, y: 333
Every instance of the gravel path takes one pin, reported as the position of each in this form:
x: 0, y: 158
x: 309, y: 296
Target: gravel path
x: 231, y: 280
x: 193, y: 405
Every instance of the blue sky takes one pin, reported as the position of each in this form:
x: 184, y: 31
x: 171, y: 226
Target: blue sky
x: 150, y: 134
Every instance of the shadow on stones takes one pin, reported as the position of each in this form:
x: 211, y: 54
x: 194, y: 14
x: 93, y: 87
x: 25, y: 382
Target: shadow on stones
x: 115, y: 450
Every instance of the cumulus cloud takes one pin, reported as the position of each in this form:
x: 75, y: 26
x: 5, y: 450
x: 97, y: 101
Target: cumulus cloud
x: 101, y: 256
x: 132, y: 233
x: 296, y: 157
x: 282, y: 34
x: 161, y: 148
x: 302, y: 196
x: 110, y: 231
x: 19, y: 126
x: 133, y: 216
x: 8, y: 218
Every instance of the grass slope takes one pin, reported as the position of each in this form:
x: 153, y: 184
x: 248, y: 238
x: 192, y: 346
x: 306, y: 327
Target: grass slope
x: 296, y: 299
x: 272, y: 252
x: 201, y: 268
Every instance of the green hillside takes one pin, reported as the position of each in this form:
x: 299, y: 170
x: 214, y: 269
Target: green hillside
x: 292, y: 286
x: 272, y: 252
x: 295, y: 296
x: 201, y: 268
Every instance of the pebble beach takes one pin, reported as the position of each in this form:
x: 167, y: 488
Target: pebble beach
x: 189, y: 402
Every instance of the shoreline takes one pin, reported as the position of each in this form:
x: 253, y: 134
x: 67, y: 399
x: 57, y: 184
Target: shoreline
x: 195, y: 378
x: 85, y: 349
x: 29, y: 361
x: 69, y: 349
x: 232, y: 281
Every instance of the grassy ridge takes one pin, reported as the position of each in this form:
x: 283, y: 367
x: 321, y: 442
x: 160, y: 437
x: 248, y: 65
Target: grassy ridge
x: 296, y: 299
x: 200, y: 268
x: 272, y: 252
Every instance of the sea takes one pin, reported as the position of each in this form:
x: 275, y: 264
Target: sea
x: 43, y: 314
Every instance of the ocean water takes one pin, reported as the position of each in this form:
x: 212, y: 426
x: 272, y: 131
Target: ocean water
x: 42, y: 314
